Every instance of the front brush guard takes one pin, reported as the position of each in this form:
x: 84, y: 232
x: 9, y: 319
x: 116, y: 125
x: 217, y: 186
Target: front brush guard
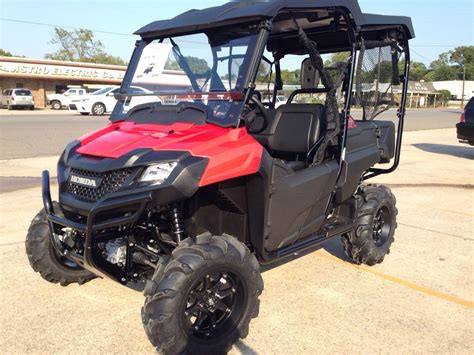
x: 137, y: 204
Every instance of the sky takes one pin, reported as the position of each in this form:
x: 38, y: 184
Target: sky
x: 439, y: 25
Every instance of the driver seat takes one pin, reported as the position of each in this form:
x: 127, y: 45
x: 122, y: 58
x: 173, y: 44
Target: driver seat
x: 293, y: 131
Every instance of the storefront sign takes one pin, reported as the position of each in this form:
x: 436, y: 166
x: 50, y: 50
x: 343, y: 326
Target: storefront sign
x: 43, y: 70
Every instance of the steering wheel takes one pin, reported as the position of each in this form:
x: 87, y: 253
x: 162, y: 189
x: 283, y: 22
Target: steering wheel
x: 259, y: 105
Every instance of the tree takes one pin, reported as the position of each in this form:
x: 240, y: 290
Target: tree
x: 341, y: 57
x: 441, y: 70
x: 418, y: 70
x: 291, y: 77
x: 197, y: 65
x: 450, y: 65
x: 4, y: 53
x: 80, y: 46
x: 172, y: 65
x: 445, y: 95
x: 463, y: 56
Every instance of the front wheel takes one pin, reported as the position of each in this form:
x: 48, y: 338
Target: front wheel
x: 98, y: 109
x: 202, y: 300
x: 370, y: 241
x: 45, y: 259
x: 56, y: 105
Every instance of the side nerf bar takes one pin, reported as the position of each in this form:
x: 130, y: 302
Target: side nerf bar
x: 137, y: 202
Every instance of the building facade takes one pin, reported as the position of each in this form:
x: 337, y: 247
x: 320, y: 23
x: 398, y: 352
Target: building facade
x: 44, y: 77
x: 455, y: 87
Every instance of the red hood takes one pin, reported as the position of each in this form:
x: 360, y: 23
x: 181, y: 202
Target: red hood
x: 232, y: 152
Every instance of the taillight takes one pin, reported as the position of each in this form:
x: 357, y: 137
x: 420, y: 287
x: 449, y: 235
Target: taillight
x: 352, y: 123
x: 12, y: 98
x: 463, y: 117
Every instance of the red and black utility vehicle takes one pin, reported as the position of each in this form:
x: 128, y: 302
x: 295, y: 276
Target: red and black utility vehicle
x: 186, y: 195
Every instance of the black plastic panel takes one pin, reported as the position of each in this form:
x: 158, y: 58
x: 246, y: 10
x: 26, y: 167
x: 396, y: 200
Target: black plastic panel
x: 298, y: 202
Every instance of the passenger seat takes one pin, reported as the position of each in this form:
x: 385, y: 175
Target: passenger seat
x: 294, y: 129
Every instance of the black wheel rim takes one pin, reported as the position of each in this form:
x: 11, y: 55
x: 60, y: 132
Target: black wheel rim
x: 382, y: 226
x: 213, y: 306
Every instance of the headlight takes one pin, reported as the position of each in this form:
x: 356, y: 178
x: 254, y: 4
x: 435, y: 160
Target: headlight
x: 158, y: 173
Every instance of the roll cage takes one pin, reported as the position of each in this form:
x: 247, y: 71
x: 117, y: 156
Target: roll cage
x: 291, y: 27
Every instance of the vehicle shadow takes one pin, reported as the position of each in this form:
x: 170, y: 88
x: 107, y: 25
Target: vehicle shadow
x: 244, y: 349
x: 332, y: 246
x: 465, y: 152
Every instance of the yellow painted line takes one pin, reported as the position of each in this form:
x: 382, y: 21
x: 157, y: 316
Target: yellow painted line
x: 411, y: 285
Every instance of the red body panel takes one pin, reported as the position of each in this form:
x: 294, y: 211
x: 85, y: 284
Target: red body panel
x: 232, y: 152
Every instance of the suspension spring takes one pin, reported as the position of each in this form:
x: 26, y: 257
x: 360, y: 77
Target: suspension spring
x: 178, y: 228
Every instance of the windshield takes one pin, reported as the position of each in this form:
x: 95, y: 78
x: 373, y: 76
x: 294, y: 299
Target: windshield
x: 101, y: 91
x: 195, y: 69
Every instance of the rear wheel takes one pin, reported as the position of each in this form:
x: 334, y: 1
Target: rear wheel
x: 202, y: 301
x: 98, y: 109
x: 44, y: 258
x: 370, y: 241
x: 56, y: 105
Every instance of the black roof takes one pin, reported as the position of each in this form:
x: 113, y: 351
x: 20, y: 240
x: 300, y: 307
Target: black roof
x: 247, y: 11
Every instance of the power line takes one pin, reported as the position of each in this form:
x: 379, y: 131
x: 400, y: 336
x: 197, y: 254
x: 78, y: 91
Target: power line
x: 96, y: 31
x: 131, y: 35
x: 421, y: 55
x: 188, y: 41
x: 68, y: 27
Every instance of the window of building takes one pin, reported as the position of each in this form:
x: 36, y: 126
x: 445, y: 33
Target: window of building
x: 60, y: 88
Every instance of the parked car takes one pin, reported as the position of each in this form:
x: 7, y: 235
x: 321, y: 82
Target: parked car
x: 103, y: 101
x: 465, y: 128
x: 15, y: 98
x: 98, y: 103
x: 280, y: 100
x: 58, y: 101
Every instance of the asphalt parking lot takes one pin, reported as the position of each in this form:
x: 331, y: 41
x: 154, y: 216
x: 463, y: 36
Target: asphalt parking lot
x: 46, y: 133
x: 420, y: 300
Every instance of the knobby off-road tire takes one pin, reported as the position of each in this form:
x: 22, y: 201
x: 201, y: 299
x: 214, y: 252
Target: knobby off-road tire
x: 44, y: 258
x: 370, y: 241
x: 217, y: 272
